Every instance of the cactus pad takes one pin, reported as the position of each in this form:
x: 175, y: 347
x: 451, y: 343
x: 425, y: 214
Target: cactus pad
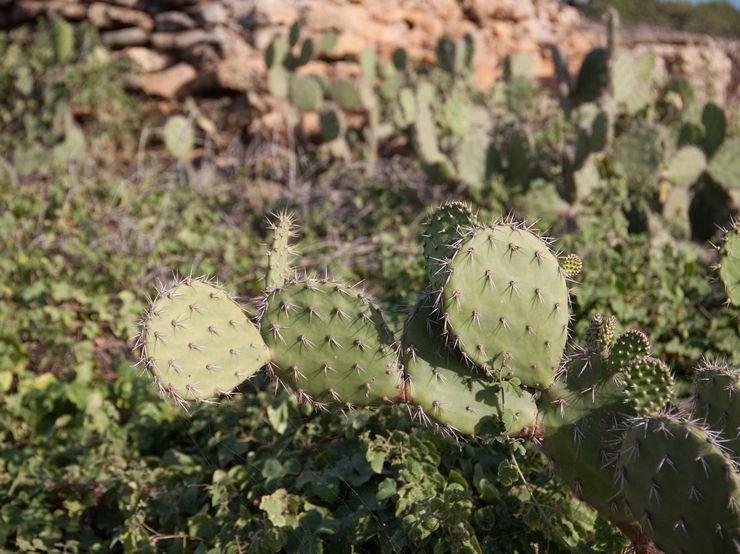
x: 648, y: 385
x: 198, y: 343
x: 579, y: 414
x: 681, y: 485
x: 445, y: 388
x: 446, y: 224
x: 600, y: 334
x: 725, y: 164
x: 729, y: 264
x: 278, y: 256
x: 505, y: 303
x: 628, y: 347
x: 717, y: 401
x: 685, y: 167
x: 330, y: 344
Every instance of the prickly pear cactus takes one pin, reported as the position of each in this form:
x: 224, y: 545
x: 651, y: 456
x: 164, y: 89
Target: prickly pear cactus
x: 330, y: 344
x: 681, y: 485
x: 579, y: 414
x: 600, y: 334
x: 446, y: 390
x: 571, y: 265
x: 505, y: 302
x: 729, y: 264
x: 280, y: 252
x: 443, y: 227
x: 717, y: 401
x: 648, y: 385
x: 198, y: 343
x: 628, y: 347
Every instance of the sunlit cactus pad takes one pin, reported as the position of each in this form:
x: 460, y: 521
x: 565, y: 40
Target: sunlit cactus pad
x: 505, y: 303
x: 446, y: 224
x: 330, y: 344
x: 449, y: 391
x: 198, y: 343
x: 681, y: 485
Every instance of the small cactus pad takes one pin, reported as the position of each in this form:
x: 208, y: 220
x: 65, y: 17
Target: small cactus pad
x: 578, y: 414
x: 571, y: 265
x: 330, y: 344
x: 648, y: 385
x: 681, y: 486
x: 628, y: 347
x: 717, y: 401
x: 445, y: 388
x: 729, y: 264
x: 444, y: 226
x: 505, y: 303
x: 278, y: 256
x: 198, y: 343
x: 600, y: 334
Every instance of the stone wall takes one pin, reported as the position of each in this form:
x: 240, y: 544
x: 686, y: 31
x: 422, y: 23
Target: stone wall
x: 186, y: 46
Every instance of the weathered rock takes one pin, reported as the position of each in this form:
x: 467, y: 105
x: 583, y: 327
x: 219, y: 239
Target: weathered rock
x: 241, y: 74
x: 130, y: 36
x: 167, y: 83
x: 147, y: 59
x: 104, y: 16
x: 172, y: 22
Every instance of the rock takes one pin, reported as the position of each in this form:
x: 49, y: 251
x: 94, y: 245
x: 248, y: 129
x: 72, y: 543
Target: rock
x: 147, y: 59
x: 131, y: 36
x: 213, y: 13
x: 104, y: 16
x: 170, y: 22
x: 276, y: 12
x: 167, y: 83
x: 182, y: 40
x: 242, y: 73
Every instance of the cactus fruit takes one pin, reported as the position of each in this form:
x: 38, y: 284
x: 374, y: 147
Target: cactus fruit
x: 443, y: 227
x: 444, y: 388
x: 571, y: 265
x: 579, y: 414
x: 505, y: 302
x: 278, y: 256
x: 330, y: 344
x: 681, y: 485
x: 628, y: 347
x: 717, y: 401
x: 198, y: 343
x: 648, y: 385
x: 729, y: 264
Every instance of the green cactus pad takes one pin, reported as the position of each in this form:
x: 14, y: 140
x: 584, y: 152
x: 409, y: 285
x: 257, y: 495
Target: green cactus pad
x: 600, y: 334
x: 725, y: 164
x: 305, y: 94
x: 330, y: 344
x: 680, y: 485
x: 729, y: 264
x: 648, y: 385
x: 638, y: 153
x: 632, y: 79
x: 685, y: 167
x: 628, y: 347
x: 331, y: 123
x: 571, y: 265
x: 579, y: 414
x: 198, y: 343
x: 445, y: 388
x: 444, y: 226
x: 346, y: 93
x: 506, y: 303
x: 278, y: 256
x: 717, y: 401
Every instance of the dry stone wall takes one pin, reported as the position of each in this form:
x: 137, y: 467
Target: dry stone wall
x: 184, y: 46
